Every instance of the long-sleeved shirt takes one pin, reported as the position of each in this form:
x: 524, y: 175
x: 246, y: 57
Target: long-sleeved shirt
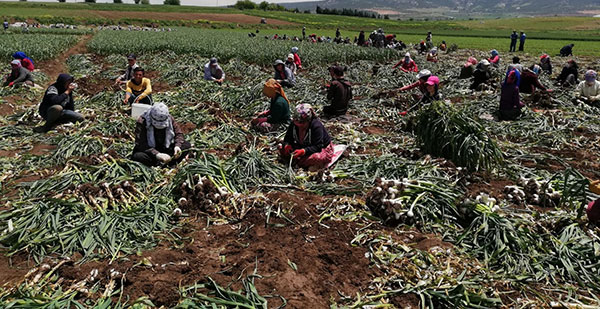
x: 411, y: 66
x: 587, y: 91
x: 289, y: 77
x: 297, y: 61
x: 128, y: 75
x: 53, y: 97
x: 141, y: 138
x: 142, y: 90
x: 480, y: 77
x: 522, y: 37
x: 26, y: 63
x: 340, y: 94
x: 566, y: 50
x: 279, y: 110
x: 530, y: 81
x: 514, y: 37
x: 213, y: 73
x: 546, y: 66
x: 315, y: 139
x: 509, y: 97
x: 20, y: 76
x: 466, y: 72
x: 494, y: 60
x: 420, y: 84
x: 566, y: 71
x: 291, y: 65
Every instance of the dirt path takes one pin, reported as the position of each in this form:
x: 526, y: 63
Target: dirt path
x: 59, y: 64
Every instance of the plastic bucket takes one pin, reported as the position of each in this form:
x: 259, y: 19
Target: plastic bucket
x: 138, y: 109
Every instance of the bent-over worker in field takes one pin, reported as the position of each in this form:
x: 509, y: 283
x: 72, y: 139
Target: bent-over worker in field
x: 510, y: 102
x: 569, y: 75
x: 530, y: 80
x: 283, y: 75
x: 307, y: 141
x: 407, y: 64
x: 297, y: 59
x: 482, y: 78
x: 339, y: 93
x: 516, y: 64
x: 588, y: 91
x: 432, y: 92
x: 567, y: 50
x: 466, y: 71
x: 139, y: 89
x: 158, y: 138
x: 494, y: 58
x: 432, y: 56
x: 26, y: 62
x: 546, y: 64
x: 290, y: 64
x: 18, y: 75
x: 443, y: 46
x: 57, y: 106
x: 128, y: 75
x: 214, y: 72
x: 278, y: 113
x: 422, y: 78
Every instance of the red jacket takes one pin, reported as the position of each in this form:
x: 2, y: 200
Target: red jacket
x: 422, y: 86
x: 26, y: 63
x: 411, y: 66
x: 297, y: 61
x: 494, y: 60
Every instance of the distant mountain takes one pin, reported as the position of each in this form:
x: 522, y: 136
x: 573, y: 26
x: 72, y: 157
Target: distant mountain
x: 448, y: 8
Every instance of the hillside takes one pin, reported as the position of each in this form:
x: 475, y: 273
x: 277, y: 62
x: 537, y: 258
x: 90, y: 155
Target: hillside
x: 460, y: 8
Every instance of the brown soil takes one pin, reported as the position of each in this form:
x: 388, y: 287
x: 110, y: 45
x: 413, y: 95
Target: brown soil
x: 6, y: 109
x: 585, y: 162
x: 228, y: 18
x: 187, y: 127
x: 58, y: 65
x: 157, y: 85
x: 41, y: 149
x: 493, y: 188
x: 12, y: 269
x: 373, y: 130
x: 326, y: 263
x: 405, y: 301
x: 8, y: 153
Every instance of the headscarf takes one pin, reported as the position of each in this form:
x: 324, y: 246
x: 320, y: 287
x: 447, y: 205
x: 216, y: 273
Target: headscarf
x: 471, y: 61
x: 290, y: 56
x: 536, y: 69
x: 544, y: 58
x: 590, y: 76
x: 433, y: 80
x: 16, y: 62
x: 21, y: 55
x: 304, y: 112
x: 483, y: 65
x: 61, y: 81
x: 294, y: 50
x: 423, y: 73
x: 158, y: 117
x: 407, y: 58
x: 272, y: 88
x: 213, y: 60
x: 494, y: 53
x: 433, y: 51
x: 512, y: 77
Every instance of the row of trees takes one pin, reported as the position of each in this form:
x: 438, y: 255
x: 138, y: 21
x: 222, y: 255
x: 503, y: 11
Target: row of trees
x: 265, y: 6
x: 350, y: 12
x: 166, y: 2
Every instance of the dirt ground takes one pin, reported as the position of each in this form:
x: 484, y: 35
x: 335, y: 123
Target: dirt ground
x: 228, y: 18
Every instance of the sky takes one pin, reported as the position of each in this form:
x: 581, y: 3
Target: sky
x: 185, y: 2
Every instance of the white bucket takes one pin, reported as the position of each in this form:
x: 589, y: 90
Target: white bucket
x: 138, y: 109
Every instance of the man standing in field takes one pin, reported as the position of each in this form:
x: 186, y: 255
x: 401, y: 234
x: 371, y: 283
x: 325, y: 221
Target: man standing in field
x: 303, y: 33
x: 522, y: 41
x: 5, y: 25
x: 513, y: 41
x: 338, y: 33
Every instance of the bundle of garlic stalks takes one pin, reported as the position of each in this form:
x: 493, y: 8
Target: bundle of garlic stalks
x: 119, y: 196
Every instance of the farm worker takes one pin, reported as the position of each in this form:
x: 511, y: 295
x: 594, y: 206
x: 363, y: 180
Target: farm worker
x: 510, y: 102
x: 128, y: 75
x: 297, y: 59
x: 18, y: 75
x: 593, y: 208
x: 522, y: 38
x: 588, y: 91
x: 303, y: 33
x: 513, y: 41
x: 279, y: 110
x: 569, y: 75
x: 338, y: 33
x: 283, y: 75
x: 307, y: 141
x: 422, y: 77
x: 481, y: 76
x: 432, y: 55
x: 389, y: 38
x: 213, y: 71
x: 290, y: 64
x: 443, y: 46
x: 26, y: 62
x: 530, y: 80
x: 57, y: 106
x: 139, y: 89
x: 494, y: 59
x: 546, y: 64
x: 158, y: 138
x: 422, y: 48
x: 407, y: 64
x: 432, y: 94
x: 339, y: 93
x: 515, y: 65
x: 380, y: 38
x: 567, y: 50
x: 468, y: 68
x: 5, y: 24
x: 429, y: 40
x: 361, y: 38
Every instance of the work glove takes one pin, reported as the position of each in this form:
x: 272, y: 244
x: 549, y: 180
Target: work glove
x: 287, y: 149
x: 177, y: 150
x: 11, y: 84
x: 264, y: 113
x: 299, y: 153
x: 163, y: 157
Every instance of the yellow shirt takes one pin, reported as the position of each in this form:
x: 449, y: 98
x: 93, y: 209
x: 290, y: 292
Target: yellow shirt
x: 142, y: 90
x: 595, y: 186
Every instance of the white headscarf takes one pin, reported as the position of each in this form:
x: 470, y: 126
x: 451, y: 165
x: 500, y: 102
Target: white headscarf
x: 158, y: 117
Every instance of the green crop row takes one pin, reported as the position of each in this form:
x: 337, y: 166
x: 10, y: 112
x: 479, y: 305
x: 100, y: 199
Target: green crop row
x: 36, y: 46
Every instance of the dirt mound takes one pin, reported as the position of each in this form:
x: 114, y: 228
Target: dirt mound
x: 325, y: 261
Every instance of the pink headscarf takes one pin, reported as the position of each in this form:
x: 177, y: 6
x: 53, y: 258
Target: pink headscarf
x: 471, y: 61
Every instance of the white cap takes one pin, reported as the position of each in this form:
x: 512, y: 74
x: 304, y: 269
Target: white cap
x: 423, y: 73
x: 407, y: 54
